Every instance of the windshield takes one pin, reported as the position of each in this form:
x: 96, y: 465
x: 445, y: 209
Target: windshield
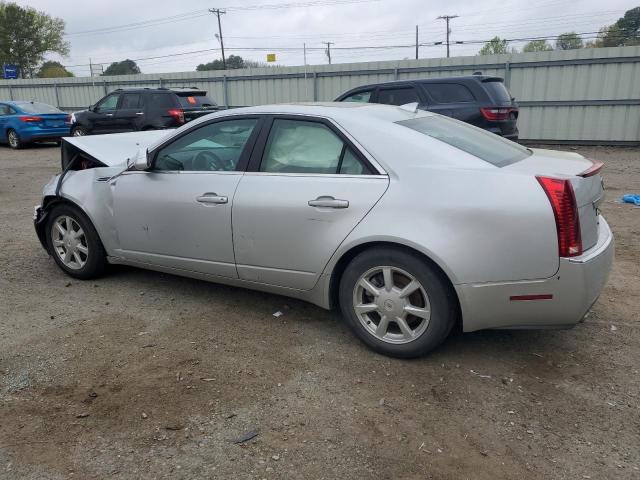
x: 485, y: 145
x: 195, y: 100
x: 35, y: 107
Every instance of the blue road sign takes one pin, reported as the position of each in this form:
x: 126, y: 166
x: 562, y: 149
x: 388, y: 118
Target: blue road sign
x: 10, y: 71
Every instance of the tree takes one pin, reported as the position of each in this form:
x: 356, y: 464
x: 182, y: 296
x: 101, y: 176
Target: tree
x: 626, y: 31
x: 53, y: 69
x: 26, y: 35
x: 234, y: 62
x: 125, y: 67
x: 569, y: 41
x: 494, y: 46
x: 537, y: 46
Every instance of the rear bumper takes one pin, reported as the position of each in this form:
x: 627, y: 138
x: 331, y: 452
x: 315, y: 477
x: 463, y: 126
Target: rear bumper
x: 34, y: 133
x: 574, y: 289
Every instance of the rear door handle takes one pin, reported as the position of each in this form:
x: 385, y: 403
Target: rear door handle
x: 109, y: 114
x: 139, y: 113
x: 210, y: 197
x: 328, y: 202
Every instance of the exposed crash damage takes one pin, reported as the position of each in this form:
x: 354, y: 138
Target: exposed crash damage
x: 80, y: 156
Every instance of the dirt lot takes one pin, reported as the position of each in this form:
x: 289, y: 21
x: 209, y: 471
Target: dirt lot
x: 146, y: 375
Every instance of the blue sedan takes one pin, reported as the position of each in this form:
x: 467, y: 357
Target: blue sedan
x: 24, y: 122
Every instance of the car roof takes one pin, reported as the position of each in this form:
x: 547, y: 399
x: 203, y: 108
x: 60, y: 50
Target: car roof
x: 458, y: 79
x: 160, y: 90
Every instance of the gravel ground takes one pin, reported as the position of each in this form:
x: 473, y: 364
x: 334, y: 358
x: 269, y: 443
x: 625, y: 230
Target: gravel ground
x: 147, y: 375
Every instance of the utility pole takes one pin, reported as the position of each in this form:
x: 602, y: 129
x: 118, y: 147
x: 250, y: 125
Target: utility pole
x: 328, y: 51
x: 416, y: 42
x: 217, y: 12
x: 447, y: 18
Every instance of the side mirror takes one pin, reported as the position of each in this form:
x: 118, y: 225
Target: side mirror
x: 140, y: 161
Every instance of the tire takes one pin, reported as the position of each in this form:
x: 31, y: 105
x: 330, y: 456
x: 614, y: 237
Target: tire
x: 91, y: 259
x: 13, y: 139
x: 79, y: 131
x: 433, y: 302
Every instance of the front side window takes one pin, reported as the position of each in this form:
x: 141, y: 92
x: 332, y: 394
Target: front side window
x: 131, y: 101
x: 398, y: 96
x: 214, y: 147
x: 482, y: 144
x: 109, y: 103
x: 300, y: 146
x: 359, y: 97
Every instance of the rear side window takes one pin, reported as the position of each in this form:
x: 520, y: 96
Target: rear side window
x: 298, y: 146
x: 162, y: 100
x: 359, y: 97
x: 485, y: 145
x: 449, y: 93
x: 131, y: 101
x: 195, y: 100
x: 398, y: 96
x: 498, y: 91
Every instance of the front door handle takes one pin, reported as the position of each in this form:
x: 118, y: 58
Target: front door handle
x: 109, y: 114
x: 139, y: 113
x: 328, y: 202
x: 210, y: 197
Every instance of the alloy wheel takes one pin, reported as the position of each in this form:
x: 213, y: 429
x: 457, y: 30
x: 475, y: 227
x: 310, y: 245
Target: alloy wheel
x: 14, y: 140
x: 391, y: 304
x: 69, y: 242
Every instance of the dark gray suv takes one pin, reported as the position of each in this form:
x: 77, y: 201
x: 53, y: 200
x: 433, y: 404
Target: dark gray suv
x: 480, y: 100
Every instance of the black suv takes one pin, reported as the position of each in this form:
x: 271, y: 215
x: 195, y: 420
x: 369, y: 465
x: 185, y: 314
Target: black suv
x: 126, y: 110
x: 480, y: 100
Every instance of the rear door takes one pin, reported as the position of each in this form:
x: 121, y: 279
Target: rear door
x: 307, y: 188
x: 399, y: 95
x: 130, y: 113
x: 4, y: 116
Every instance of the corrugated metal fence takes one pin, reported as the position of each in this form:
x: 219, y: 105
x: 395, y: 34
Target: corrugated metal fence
x: 587, y: 95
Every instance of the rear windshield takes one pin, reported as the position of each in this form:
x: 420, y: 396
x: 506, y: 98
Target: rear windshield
x: 35, y: 107
x: 194, y: 100
x: 485, y: 145
x: 498, y: 91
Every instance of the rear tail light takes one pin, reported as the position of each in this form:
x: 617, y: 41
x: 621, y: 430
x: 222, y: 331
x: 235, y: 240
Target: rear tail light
x: 177, y: 114
x: 496, y: 113
x: 593, y: 169
x: 565, y: 211
x: 30, y: 118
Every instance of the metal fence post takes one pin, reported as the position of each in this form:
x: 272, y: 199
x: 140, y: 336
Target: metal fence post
x: 395, y: 74
x: 225, y: 92
x: 315, y: 86
x: 160, y: 82
x: 55, y: 89
x: 104, y: 85
x: 507, y: 74
x: 10, y: 93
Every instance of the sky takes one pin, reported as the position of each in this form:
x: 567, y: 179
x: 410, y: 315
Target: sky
x: 143, y: 30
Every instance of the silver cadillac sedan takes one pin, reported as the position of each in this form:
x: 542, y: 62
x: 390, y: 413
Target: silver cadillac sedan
x: 408, y: 221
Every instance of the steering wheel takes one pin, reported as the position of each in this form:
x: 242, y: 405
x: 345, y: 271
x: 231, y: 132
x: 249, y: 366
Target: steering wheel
x: 207, y: 160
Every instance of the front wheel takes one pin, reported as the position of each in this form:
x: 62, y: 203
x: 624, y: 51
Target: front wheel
x: 396, y: 302
x: 74, y: 243
x: 79, y: 131
x: 14, y: 139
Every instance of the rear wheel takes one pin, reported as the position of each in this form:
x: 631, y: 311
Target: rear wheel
x: 396, y: 303
x: 78, y: 131
x: 14, y: 139
x: 74, y: 243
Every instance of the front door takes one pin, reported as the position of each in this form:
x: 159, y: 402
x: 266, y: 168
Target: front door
x: 310, y: 187
x: 178, y: 214
x: 102, y: 115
